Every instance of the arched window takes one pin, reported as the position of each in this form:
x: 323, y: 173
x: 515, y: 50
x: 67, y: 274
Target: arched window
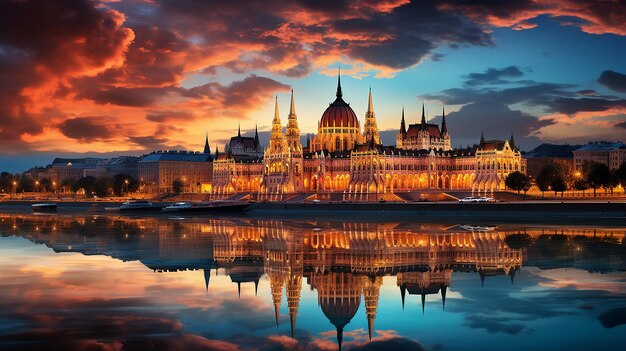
x: 337, y: 144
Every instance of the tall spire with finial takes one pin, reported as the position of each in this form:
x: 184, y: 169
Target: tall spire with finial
x: 339, y: 92
x: 402, y: 123
x: 277, y: 138
x: 207, y: 149
x: 444, y: 127
x: 370, y: 129
x: 293, y: 131
x: 423, y: 122
x: 239, y: 130
x: 512, y: 141
x: 256, y: 135
x: 482, y: 138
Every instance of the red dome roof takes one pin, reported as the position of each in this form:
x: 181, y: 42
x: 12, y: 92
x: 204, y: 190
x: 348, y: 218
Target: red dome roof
x: 339, y: 114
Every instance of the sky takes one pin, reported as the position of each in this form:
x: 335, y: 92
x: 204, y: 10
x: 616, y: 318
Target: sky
x: 118, y: 77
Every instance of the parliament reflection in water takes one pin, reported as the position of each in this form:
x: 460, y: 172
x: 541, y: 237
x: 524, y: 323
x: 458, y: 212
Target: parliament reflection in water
x: 343, y: 262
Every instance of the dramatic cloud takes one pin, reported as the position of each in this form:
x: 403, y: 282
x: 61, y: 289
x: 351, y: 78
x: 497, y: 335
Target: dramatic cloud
x: 493, y: 76
x: 613, y: 80
x: 596, y: 17
x: 87, y: 128
x: 496, y: 121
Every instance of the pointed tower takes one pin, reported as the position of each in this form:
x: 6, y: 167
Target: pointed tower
x: 445, y: 136
x: 257, y: 143
x: 293, y: 132
x: 294, y: 286
x: 207, y: 278
x: 207, y: 148
x: 512, y: 142
x: 339, y: 93
x: 371, y: 292
x: 423, y: 121
x: 239, y: 130
x: 401, y: 136
x: 277, y: 138
x: 482, y: 138
x: 370, y: 129
x: 444, y: 127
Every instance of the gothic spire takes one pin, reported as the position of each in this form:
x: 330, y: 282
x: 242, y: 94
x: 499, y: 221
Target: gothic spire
x: 423, y: 123
x: 276, y: 115
x: 256, y: 135
x: 207, y: 149
x: 239, y: 130
x: 339, y: 93
x: 444, y: 289
x: 292, y: 108
x: 402, y: 294
x: 370, y: 105
x: 444, y: 127
x: 482, y: 138
x: 402, y: 123
x: 207, y: 277
x: 423, y: 302
x: 512, y: 141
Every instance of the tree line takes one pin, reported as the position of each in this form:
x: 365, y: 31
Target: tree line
x: 558, y: 178
x: 117, y: 185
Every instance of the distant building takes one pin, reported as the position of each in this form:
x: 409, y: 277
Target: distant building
x: 612, y: 154
x: 546, y: 154
x: 158, y: 171
x: 124, y: 165
x: 245, y: 146
x: 71, y: 168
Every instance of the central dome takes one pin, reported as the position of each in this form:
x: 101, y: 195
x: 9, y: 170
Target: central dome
x: 339, y: 113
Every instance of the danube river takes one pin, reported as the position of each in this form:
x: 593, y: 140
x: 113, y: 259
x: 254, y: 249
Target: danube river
x: 74, y: 282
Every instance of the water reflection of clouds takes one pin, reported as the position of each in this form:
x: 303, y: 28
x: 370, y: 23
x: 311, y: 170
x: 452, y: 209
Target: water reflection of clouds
x: 47, y: 295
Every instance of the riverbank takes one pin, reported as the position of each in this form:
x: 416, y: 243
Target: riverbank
x: 579, y: 212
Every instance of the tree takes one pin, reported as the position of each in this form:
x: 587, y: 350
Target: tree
x: 177, y: 186
x: 25, y: 183
x: 558, y: 184
x: 581, y: 184
x: 545, y: 177
x: 598, y: 176
x: 124, y: 184
x: 87, y: 184
x: 6, y: 182
x: 103, y: 187
x: 517, y: 181
x: 45, y: 185
x: 69, y: 185
x: 621, y: 175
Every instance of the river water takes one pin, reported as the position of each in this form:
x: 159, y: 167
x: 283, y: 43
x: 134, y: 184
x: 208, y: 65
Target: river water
x: 74, y: 282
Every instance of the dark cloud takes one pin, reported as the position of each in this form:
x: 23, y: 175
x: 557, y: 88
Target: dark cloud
x: 43, y: 42
x: 621, y: 125
x: 121, y: 96
x: 394, y: 343
x: 496, y: 120
x: 613, y: 80
x: 87, y: 129
x: 613, y: 318
x: 149, y: 142
x: 571, y: 106
x: 493, y: 324
x: 493, y: 76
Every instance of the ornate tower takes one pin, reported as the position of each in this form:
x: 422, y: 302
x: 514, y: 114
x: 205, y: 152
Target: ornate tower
x: 277, y: 138
x: 445, y: 136
x: 370, y: 129
x: 293, y: 132
x: 371, y: 292
x: 423, y: 135
x: 402, y: 133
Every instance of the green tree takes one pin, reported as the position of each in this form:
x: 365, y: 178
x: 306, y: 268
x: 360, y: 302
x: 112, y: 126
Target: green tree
x: 598, y: 176
x: 124, y: 184
x: 517, y: 181
x: 103, y: 186
x: 86, y: 184
x: 545, y: 177
x: 177, y: 186
x: 558, y: 184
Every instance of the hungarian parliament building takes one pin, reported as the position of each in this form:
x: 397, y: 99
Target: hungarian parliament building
x: 343, y: 158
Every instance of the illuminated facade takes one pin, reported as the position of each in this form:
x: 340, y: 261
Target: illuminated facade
x: 342, y: 159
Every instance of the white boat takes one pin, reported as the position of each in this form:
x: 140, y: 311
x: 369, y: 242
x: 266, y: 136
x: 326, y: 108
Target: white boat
x: 46, y: 206
x: 177, y: 207
x: 141, y: 205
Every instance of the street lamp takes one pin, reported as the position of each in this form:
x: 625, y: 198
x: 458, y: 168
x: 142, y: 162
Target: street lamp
x: 15, y: 188
x: 126, y: 184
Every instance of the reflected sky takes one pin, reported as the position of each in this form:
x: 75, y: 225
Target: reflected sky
x: 115, y: 283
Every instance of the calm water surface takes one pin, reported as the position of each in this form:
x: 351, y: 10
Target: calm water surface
x: 115, y: 283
